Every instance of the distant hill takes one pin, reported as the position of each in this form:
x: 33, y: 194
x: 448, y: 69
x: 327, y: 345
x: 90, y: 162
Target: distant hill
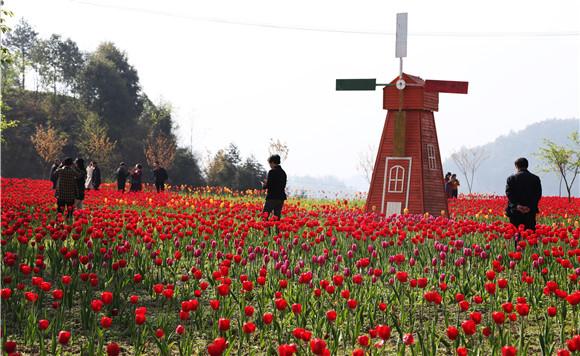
x: 490, y: 178
x: 328, y: 187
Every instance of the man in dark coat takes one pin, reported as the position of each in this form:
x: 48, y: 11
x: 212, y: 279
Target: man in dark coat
x: 276, y: 186
x: 524, y: 191
x: 121, y: 174
x: 67, y: 187
x: 160, y: 175
x: 96, y: 179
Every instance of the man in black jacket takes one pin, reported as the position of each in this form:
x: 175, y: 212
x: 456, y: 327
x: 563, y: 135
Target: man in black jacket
x: 160, y: 175
x: 96, y: 178
x: 524, y: 191
x: 276, y: 186
x: 121, y: 174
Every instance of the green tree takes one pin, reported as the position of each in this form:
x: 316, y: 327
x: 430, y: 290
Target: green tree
x: 251, y: 174
x: 221, y: 171
x: 562, y: 160
x: 59, y: 64
x: 22, y: 41
x: 109, y: 86
x: 186, y: 169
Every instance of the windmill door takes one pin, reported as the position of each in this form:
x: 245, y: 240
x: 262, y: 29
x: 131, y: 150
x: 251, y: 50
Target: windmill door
x: 396, y: 185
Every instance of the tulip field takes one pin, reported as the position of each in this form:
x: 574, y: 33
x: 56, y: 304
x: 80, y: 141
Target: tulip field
x: 197, y: 272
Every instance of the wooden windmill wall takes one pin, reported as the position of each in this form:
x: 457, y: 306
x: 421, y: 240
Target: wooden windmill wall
x: 408, y: 171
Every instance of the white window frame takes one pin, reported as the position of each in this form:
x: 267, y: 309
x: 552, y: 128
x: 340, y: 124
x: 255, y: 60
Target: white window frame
x: 396, y: 182
x: 431, y: 160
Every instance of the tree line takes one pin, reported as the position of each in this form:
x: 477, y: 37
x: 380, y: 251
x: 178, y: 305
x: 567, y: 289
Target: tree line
x: 60, y: 101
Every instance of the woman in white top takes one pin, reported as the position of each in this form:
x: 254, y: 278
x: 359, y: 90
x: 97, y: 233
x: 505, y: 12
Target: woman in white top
x: 89, y: 180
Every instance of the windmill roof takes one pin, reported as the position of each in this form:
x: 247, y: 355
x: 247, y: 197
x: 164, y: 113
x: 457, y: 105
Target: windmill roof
x: 410, y: 79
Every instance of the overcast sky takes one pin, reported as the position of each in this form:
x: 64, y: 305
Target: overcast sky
x: 246, y: 71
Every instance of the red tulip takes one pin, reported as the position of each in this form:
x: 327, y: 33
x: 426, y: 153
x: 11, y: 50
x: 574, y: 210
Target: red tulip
x: 468, y: 327
x: 223, y: 324
x: 287, y: 349
x: 331, y: 315
x: 498, y: 317
x: 43, y: 324
x: 248, y: 327
x: 63, y: 337
x: 217, y: 347
x: 106, y: 322
x: 317, y: 346
x: 159, y: 333
x: 249, y: 310
x: 180, y: 329
x: 267, y: 318
x: 508, y: 351
x: 113, y: 349
x: 107, y: 297
x: 452, y: 332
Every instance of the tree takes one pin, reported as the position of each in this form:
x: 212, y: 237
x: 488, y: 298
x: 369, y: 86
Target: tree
x: 468, y: 161
x: 160, y: 148
x: 186, y: 169
x: 279, y: 148
x: 48, y: 143
x: 221, y: 171
x: 232, y: 155
x: 22, y: 42
x: 5, y: 124
x: 562, y: 160
x: 95, y: 143
x: 59, y: 63
x: 366, y: 162
x: 109, y: 86
x: 250, y: 175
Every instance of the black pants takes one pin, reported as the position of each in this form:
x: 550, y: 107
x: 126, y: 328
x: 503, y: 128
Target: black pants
x: 160, y: 186
x: 67, y: 205
x: 274, y: 205
x: 121, y: 184
x: 528, y: 220
x: 454, y: 193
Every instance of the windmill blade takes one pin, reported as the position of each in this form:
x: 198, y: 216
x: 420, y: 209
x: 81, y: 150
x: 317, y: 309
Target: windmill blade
x: 356, y: 84
x: 446, y: 86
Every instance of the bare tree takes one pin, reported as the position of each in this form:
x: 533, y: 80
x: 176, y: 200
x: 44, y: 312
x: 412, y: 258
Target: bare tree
x: 48, y: 143
x: 160, y: 148
x: 468, y: 160
x: 278, y: 147
x: 366, y: 162
x: 564, y: 161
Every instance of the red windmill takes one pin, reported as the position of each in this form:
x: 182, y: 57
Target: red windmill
x: 408, y: 172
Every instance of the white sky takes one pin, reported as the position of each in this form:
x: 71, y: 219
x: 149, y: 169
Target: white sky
x: 246, y: 84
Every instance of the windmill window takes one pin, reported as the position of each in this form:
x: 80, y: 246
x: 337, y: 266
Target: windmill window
x: 431, y: 161
x: 396, y: 176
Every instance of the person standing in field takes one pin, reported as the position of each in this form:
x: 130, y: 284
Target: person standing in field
x: 524, y: 191
x: 446, y: 185
x: 454, y: 186
x: 96, y: 176
x: 136, y: 175
x: 89, y: 179
x: 67, y: 178
x: 276, y: 186
x: 121, y: 174
x: 53, y: 169
x: 160, y: 175
x: 81, y: 180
